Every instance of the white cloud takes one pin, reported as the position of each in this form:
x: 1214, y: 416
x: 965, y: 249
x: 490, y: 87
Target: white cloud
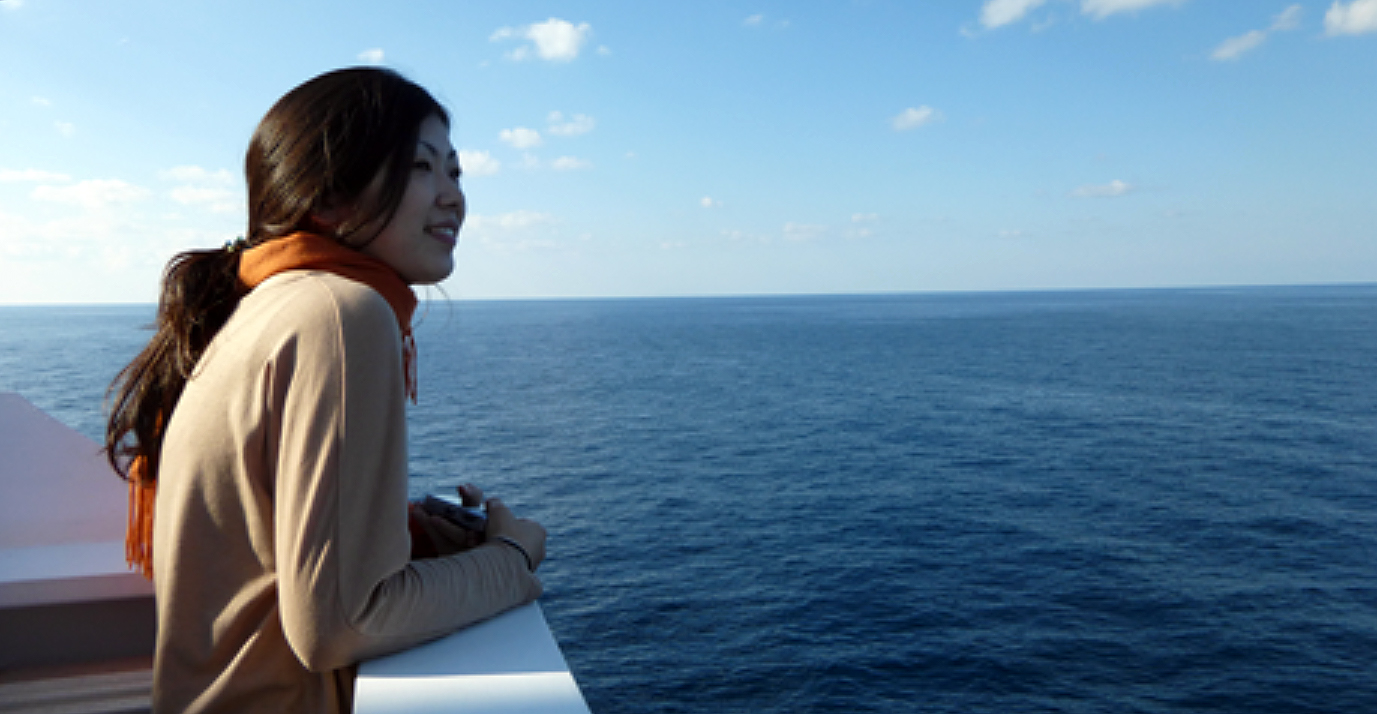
x: 372, y: 56
x: 520, y: 137
x: 199, y: 175
x: 577, y: 124
x: 514, y: 220
x: 604, y: 50
x: 216, y: 200
x: 513, y: 231
x: 554, y: 40
x: 1101, y: 9
x: 478, y: 163
x: 39, y: 101
x: 709, y: 202
x: 66, y: 238
x: 92, y: 194
x: 803, y: 231
x: 753, y: 20
x: 11, y: 4
x: 1234, y: 47
x: 1354, y: 18
x: 32, y: 176
x: 569, y: 163
x: 997, y: 13
x: 862, y: 225
x: 65, y: 128
x: 912, y: 118
x: 1288, y: 19
x: 212, y: 190
x: 1111, y: 189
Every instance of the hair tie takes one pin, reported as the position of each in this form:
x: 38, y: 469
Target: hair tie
x: 236, y: 245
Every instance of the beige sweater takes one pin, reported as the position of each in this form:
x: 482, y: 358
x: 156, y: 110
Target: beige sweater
x: 281, y: 550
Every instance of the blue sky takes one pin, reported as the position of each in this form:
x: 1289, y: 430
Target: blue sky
x: 724, y: 147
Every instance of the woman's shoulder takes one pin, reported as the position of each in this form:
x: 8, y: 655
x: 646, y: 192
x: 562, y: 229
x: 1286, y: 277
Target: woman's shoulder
x: 314, y: 297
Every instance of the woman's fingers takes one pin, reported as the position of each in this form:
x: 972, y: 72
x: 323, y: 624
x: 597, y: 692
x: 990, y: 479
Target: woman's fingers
x: 503, y: 523
x: 470, y: 495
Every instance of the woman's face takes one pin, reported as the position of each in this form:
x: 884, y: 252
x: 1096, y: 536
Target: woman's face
x: 420, y: 239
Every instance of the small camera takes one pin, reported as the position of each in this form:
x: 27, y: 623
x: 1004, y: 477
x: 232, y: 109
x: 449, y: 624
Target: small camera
x: 471, y: 518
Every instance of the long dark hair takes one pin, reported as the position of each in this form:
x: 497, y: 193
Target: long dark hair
x: 318, y: 148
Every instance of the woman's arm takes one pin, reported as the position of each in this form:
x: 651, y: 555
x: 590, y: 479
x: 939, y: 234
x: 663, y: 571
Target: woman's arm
x: 347, y: 586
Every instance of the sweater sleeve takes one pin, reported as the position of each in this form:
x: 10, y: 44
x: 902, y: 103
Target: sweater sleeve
x: 347, y: 587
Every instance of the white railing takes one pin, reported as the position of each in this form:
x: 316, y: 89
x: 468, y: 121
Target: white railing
x: 505, y: 665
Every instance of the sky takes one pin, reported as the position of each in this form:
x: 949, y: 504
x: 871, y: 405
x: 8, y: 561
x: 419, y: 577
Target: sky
x: 725, y: 147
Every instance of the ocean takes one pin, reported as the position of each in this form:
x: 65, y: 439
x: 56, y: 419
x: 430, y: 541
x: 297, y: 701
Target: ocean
x: 1081, y: 501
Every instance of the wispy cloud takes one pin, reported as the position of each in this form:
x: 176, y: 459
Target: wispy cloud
x: 514, y: 220
x: 1353, y: 18
x: 196, y: 174
x: 211, y: 190
x: 373, y: 56
x: 554, y: 40
x: 478, y: 163
x: 1235, y: 47
x: 515, y: 231
x: 92, y: 194
x: 1100, y: 9
x: 804, y: 231
x: 520, y: 137
x: 709, y: 202
x: 572, y: 126
x: 758, y: 20
x: 11, y: 4
x: 1109, y: 190
x: 914, y: 117
x: 862, y: 225
x: 1288, y: 19
x: 997, y: 13
x: 32, y: 176
x: 569, y: 163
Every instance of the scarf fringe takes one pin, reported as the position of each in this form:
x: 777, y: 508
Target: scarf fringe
x: 138, y: 538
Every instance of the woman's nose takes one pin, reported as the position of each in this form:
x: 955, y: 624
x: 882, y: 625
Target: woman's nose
x: 450, y: 195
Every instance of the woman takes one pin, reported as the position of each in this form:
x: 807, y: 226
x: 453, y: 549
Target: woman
x: 267, y: 414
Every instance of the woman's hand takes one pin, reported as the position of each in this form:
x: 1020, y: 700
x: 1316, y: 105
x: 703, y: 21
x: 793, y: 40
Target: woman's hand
x: 529, y: 535
x: 447, y: 537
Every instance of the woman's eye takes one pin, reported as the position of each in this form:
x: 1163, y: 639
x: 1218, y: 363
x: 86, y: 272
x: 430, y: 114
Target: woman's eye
x: 455, y: 174
x: 421, y: 165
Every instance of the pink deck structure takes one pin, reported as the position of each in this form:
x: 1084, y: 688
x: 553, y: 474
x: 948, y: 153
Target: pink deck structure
x: 77, y: 626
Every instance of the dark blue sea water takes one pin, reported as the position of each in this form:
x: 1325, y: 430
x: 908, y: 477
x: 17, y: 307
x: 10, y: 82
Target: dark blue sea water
x: 1109, y: 501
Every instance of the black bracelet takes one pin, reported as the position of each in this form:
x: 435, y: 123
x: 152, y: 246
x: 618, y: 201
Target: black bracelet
x: 512, y: 542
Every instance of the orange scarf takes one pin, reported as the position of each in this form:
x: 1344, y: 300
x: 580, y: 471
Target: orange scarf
x: 308, y: 251
x: 298, y: 251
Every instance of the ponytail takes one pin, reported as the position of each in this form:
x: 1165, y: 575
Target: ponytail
x: 200, y: 291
